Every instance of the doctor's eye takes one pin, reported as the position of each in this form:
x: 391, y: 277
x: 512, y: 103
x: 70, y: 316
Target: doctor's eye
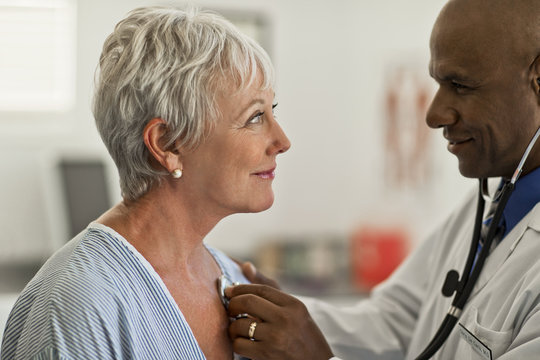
x: 458, y: 86
x: 274, y: 111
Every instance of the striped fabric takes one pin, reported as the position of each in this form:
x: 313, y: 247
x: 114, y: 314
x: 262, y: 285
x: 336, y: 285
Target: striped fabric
x: 98, y: 298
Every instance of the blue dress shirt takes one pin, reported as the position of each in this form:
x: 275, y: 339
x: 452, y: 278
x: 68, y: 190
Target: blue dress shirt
x: 525, y: 196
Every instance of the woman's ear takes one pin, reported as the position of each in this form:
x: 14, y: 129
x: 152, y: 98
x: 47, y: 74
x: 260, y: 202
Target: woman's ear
x: 154, y: 138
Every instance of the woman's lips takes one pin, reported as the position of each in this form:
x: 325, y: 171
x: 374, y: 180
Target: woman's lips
x: 266, y: 174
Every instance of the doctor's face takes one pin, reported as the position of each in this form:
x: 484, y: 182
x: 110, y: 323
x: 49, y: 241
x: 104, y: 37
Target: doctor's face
x: 485, y: 103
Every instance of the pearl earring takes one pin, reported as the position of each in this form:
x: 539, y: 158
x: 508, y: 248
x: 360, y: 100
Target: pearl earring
x: 177, y: 173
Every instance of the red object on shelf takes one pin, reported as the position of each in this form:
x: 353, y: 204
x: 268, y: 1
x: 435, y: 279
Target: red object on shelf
x: 375, y: 254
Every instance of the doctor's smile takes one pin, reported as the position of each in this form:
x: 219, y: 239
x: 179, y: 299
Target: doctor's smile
x: 456, y: 146
x: 184, y: 103
x: 485, y: 59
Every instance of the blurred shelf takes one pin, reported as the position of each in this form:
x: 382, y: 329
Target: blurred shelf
x: 7, y: 300
x: 14, y: 277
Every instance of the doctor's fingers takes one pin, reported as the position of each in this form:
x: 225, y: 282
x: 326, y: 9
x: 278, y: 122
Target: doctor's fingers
x: 246, y: 329
x: 272, y: 341
x: 256, y: 277
x: 254, y: 306
x: 258, y: 350
x: 269, y: 293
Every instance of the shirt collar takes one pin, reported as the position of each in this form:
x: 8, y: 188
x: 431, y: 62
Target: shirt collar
x: 525, y: 196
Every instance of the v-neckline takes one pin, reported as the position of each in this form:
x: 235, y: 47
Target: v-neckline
x: 146, y: 264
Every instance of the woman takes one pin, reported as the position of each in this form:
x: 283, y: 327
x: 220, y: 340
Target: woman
x: 184, y: 104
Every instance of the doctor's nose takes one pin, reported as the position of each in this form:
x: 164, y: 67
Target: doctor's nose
x: 440, y: 113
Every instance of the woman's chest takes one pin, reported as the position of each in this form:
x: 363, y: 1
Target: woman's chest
x: 207, y: 319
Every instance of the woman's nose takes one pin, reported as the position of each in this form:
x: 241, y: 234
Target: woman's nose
x: 280, y: 142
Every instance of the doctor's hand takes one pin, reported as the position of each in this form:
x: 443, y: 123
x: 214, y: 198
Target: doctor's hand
x: 250, y: 272
x: 278, y: 327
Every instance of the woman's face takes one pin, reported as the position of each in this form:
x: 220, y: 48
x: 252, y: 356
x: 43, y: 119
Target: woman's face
x: 232, y: 171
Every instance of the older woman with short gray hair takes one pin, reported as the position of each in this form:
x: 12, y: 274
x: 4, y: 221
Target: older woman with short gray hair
x: 184, y: 103
x: 168, y: 64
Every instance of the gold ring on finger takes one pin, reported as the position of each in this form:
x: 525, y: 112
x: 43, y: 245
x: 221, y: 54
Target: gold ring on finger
x: 251, y: 332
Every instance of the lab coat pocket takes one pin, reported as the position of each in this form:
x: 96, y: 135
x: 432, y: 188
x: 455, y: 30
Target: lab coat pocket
x: 480, y: 342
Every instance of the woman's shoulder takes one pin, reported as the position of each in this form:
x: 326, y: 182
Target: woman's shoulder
x: 89, y: 258
x: 91, y: 269
x: 69, y: 295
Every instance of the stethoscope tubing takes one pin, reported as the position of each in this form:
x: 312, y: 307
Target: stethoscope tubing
x: 466, y: 284
x: 450, y: 321
x: 470, y: 275
x: 507, y: 190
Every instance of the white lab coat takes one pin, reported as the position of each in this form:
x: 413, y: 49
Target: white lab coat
x: 404, y: 312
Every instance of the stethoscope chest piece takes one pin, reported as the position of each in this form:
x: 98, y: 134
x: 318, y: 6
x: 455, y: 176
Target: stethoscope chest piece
x: 475, y: 261
x: 451, y: 283
x: 224, y: 282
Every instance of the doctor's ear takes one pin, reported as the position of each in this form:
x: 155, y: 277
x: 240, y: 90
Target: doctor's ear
x: 535, y: 69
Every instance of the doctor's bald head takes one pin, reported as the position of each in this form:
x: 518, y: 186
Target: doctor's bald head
x: 485, y: 55
x: 514, y: 25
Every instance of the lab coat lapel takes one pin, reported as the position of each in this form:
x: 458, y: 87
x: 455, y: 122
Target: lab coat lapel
x: 505, y: 249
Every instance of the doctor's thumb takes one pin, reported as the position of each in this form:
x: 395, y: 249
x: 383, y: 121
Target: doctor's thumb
x: 256, y: 277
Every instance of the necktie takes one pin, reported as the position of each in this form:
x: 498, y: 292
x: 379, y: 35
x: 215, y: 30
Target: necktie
x: 486, y: 223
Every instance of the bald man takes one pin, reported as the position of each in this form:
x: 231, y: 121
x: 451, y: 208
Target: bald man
x: 485, y: 56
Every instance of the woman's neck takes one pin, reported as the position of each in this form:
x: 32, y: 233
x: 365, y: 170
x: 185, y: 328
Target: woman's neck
x: 168, y: 233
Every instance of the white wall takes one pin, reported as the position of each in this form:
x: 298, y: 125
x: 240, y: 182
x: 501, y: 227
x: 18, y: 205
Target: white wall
x: 330, y: 58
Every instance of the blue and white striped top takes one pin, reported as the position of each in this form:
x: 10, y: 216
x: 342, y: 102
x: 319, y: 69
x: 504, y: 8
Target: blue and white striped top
x: 98, y: 298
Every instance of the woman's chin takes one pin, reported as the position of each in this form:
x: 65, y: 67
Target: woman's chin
x: 261, y: 205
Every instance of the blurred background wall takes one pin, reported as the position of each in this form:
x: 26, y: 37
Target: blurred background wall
x: 352, y: 81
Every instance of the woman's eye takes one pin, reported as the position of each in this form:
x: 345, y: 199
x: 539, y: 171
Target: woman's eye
x: 256, y: 119
x: 273, y: 110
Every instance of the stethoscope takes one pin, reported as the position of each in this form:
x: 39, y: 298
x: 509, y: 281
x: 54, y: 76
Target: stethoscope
x: 224, y: 282
x: 463, y: 287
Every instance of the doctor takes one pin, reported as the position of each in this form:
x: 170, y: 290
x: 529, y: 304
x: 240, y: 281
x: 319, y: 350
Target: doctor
x: 485, y: 56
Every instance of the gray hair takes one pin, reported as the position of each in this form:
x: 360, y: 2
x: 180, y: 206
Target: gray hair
x: 170, y: 64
